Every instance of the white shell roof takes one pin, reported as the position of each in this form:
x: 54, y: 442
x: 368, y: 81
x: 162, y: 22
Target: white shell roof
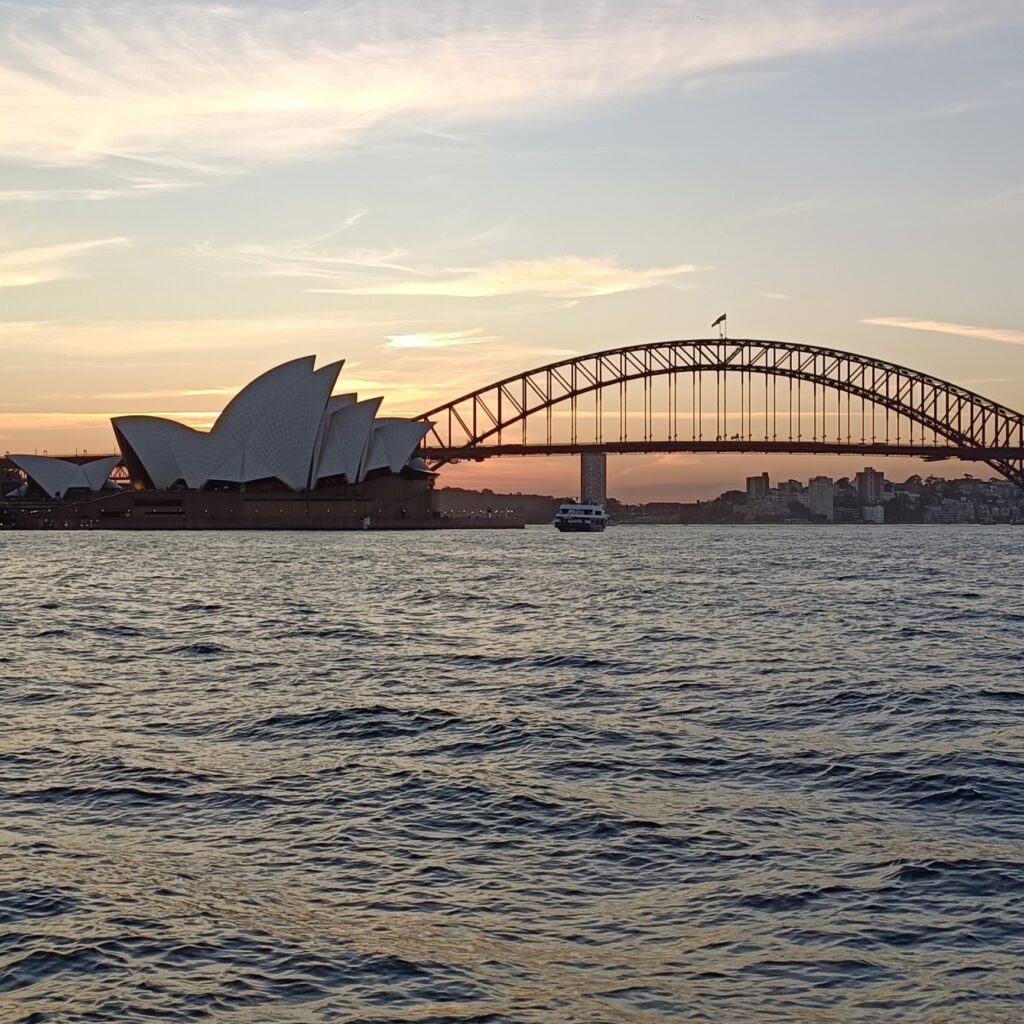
x: 58, y: 476
x: 393, y: 443
x: 243, y: 411
x: 286, y: 425
x: 345, y: 441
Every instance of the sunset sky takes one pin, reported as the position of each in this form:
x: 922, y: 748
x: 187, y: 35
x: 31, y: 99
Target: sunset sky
x: 445, y: 193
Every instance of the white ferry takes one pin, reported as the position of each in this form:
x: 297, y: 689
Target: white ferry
x: 573, y: 518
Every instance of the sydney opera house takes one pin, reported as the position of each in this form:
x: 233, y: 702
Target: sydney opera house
x: 286, y: 453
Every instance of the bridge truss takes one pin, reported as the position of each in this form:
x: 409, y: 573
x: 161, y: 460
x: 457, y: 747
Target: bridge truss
x: 737, y: 395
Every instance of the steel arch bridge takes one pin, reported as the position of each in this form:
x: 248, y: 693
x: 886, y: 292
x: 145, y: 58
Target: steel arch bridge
x: 727, y: 395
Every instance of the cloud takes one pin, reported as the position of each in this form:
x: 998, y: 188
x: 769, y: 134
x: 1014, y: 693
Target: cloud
x: 810, y: 204
x: 188, y: 369
x: 86, y: 80
x: 143, y: 344
x: 221, y: 392
x: 566, y: 276
x: 395, y: 272
x: 1006, y: 94
x: 438, y: 339
x: 44, y: 195
x: 305, y: 259
x: 775, y: 296
x: 1007, y: 201
x: 941, y: 327
x: 957, y: 108
x: 40, y: 263
x: 63, y: 433
x: 126, y: 186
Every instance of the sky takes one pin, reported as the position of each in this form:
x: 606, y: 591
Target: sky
x: 444, y: 194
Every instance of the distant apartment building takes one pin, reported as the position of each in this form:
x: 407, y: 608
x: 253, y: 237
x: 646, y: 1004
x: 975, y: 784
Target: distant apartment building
x: 758, y: 487
x: 870, y: 485
x: 821, y: 497
x: 951, y: 511
x: 873, y: 514
x: 846, y: 515
x: 773, y: 507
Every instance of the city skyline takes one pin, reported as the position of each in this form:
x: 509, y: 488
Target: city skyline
x: 447, y: 199
x: 866, y: 497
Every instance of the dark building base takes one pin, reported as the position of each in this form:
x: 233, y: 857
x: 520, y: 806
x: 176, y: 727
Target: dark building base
x: 385, y: 503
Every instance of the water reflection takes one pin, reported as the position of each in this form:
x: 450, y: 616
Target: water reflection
x: 719, y: 774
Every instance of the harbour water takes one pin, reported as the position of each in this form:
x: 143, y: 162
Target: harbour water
x: 650, y: 775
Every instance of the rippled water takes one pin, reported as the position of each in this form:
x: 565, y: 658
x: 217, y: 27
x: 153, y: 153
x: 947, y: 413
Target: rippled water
x: 660, y: 774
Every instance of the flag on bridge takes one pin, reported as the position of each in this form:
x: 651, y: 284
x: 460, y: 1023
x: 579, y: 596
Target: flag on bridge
x: 720, y: 320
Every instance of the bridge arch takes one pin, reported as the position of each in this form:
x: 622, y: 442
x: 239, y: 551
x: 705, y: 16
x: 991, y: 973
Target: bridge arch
x: 856, y: 404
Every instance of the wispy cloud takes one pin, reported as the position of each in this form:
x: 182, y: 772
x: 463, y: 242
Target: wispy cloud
x: 40, y: 263
x: 1004, y: 94
x: 775, y: 296
x: 45, y: 195
x: 567, y: 277
x: 86, y: 80
x: 64, y: 432
x: 123, y: 186
x: 308, y: 260
x: 793, y: 207
x: 134, y: 396
x: 397, y: 272
x: 730, y: 80
x: 973, y: 105
x: 196, y: 365
x: 144, y: 343
x: 1006, y: 201
x: 439, y: 339
x: 1011, y: 337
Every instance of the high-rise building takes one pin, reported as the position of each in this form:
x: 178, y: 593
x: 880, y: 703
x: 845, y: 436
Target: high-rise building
x: 821, y: 497
x: 757, y: 487
x: 593, y: 478
x: 869, y: 486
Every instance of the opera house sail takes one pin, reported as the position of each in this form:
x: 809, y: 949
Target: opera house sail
x: 285, y: 427
x: 58, y: 477
x: 285, y: 453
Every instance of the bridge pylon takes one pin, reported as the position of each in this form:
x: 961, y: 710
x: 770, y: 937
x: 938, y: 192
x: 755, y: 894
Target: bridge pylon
x: 594, y: 478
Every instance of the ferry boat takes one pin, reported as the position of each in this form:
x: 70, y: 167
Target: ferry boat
x: 574, y: 518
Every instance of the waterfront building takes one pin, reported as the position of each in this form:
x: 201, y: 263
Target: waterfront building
x: 286, y: 427
x: 873, y: 514
x: 758, y: 487
x: 870, y: 485
x: 845, y: 514
x: 286, y: 453
x: 57, y: 478
x: 951, y: 510
x: 821, y: 497
x: 772, y: 507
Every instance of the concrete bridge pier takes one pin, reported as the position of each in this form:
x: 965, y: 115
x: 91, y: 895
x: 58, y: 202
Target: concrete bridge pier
x: 594, y: 478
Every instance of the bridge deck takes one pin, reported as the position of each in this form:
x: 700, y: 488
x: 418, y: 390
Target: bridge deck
x: 929, y: 452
